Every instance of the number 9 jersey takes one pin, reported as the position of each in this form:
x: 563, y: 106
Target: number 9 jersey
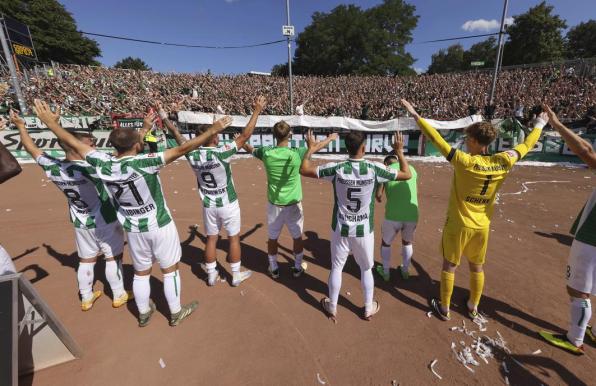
x: 214, y: 175
x: 134, y: 184
x: 354, y: 186
x: 88, y: 201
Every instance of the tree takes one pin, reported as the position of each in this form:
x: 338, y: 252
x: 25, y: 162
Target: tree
x: 280, y: 70
x: 54, y: 31
x: 535, y: 36
x: 581, y: 40
x: 349, y: 40
x: 131, y: 63
x: 447, y: 60
x: 484, y: 51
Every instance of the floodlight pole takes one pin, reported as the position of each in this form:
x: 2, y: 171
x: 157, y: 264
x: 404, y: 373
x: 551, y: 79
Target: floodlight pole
x: 290, y: 61
x: 11, y: 67
x: 499, y: 54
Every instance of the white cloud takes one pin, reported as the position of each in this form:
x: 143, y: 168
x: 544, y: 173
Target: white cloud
x: 231, y: 1
x: 419, y: 70
x: 484, y: 25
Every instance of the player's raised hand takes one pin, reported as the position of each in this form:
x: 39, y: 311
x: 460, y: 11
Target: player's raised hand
x: 333, y: 136
x: 222, y: 123
x: 409, y: 108
x: 398, y: 142
x: 311, y: 141
x: 260, y: 103
x: 160, y: 110
x: 44, y: 113
x: 149, y: 120
x: 552, y: 117
x: 16, y: 120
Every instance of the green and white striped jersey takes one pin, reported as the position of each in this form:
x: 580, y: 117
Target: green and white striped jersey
x: 354, y: 185
x: 135, y: 187
x: 584, y: 227
x: 214, y: 175
x: 88, y: 201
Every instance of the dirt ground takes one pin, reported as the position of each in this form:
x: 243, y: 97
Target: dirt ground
x: 273, y: 332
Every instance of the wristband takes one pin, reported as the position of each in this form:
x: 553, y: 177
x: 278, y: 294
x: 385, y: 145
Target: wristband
x: 162, y: 114
x: 539, y: 123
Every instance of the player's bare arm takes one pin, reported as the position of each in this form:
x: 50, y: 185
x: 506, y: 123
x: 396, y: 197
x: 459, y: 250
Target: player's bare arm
x: 172, y: 128
x: 26, y: 139
x: 579, y: 146
x: 188, y: 146
x: 9, y: 166
x: 148, y: 123
x: 307, y: 168
x: 430, y: 132
x: 258, y: 107
x: 51, y: 120
x: 379, y: 193
x: 404, y: 168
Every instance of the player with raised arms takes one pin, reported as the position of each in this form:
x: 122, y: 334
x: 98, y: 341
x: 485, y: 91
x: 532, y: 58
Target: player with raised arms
x: 284, y: 195
x: 216, y: 187
x: 354, y: 185
x: 134, y: 183
x: 476, y: 181
x: 581, y: 266
x: 97, y: 231
x: 401, y: 216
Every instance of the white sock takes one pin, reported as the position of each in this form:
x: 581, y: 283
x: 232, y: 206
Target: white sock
x: 85, y: 279
x: 386, y: 255
x: 368, y: 288
x: 581, y: 312
x: 406, y: 253
x: 171, y: 288
x: 142, y: 291
x: 211, y: 267
x: 334, y: 286
x: 235, y: 267
x: 298, y: 260
x: 273, y: 262
x: 114, y: 277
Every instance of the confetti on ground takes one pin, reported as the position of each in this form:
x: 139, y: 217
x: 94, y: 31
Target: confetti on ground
x: 321, y: 381
x: 429, y: 314
x: 242, y: 292
x: 162, y: 364
x: 432, y: 368
x: 8, y: 210
x: 175, y: 192
x: 537, y: 352
x: 348, y: 293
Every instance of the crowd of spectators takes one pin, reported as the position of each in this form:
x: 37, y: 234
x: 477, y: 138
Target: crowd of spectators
x: 104, y: 91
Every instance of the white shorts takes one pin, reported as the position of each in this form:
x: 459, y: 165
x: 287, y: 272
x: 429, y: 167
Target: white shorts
x: 363, y: 249
x: 581, y: 267
x: 107, y: 240
x: 290, y: 216
x: 390, y: 229
x: 6, y: 265
x: 161, y: 245
x: 227, y: 216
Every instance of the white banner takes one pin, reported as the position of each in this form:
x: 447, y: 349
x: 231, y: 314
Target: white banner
x: 312, y: 121
x: 72, y: 122
x: 45, y: 139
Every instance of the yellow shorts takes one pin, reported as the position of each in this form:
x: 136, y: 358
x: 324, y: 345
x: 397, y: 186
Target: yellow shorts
x: 460, y: 241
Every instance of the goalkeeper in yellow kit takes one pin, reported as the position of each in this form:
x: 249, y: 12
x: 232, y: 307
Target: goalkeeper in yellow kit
x: 476, y: 181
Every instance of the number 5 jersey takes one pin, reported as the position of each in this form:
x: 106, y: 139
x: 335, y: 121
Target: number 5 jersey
x: 135, y: 186
x: 88, y: 201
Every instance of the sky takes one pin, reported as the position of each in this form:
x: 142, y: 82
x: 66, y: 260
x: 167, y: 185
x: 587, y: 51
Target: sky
x: 240, y: 22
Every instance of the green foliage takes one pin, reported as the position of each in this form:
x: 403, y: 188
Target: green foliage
x: 349, y: 40
x: 131, y: 63
x: 447, y: 60
x: 535, y: 36
x: 581, y: 40
x: 484, y: 51
x: 54, y: 31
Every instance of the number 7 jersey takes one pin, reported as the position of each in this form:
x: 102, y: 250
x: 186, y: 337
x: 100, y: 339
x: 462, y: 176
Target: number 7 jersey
x: 88, y: 201
x: 135, y: 187
x: 354, y: 186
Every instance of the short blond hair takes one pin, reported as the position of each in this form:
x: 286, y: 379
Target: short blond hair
x: 483, y: 132
x: 281, y: 130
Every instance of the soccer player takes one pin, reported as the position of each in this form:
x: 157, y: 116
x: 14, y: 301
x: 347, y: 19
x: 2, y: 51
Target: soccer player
x: 284, y: 194
x: 354, y: 184
x: 401, y: 215
x: 476, y: 181
x: 134, y: 183
x: 581, y: 267
x: 97, y: 231
x: 9, y: 167
x: 216, y: 188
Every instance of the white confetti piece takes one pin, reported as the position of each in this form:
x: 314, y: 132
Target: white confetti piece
x: 429, y: 314
x: 537, y: 352
x: 175, y: 192
x: 162, y: 364
x: 321, y: 381
x: 348, y: 293
x: 432, y: 368
x: 9, y: 210
x: 505, y: 369
x: 242, y: 292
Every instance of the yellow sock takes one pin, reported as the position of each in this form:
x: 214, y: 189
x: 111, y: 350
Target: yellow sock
x: 447, y: 282
x: 476, y: 287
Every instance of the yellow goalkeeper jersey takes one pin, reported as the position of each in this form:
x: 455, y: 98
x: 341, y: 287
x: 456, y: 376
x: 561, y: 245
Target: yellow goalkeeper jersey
x: 476, y: 178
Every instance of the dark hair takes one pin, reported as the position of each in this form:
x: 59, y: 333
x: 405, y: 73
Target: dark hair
x: 124, y: 139
x: 281, y: 130
x: 353, y: 140
x: 483, y: 132
x: 389, y: 158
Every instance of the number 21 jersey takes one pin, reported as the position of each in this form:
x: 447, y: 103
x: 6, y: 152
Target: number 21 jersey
x: 135, y: 186
x: 88, y: 202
